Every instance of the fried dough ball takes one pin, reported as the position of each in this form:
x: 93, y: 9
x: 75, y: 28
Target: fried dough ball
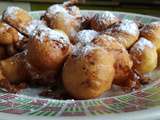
x: 16, y: 47
x: 88, y: 72
x: 21, y: 20
x: 126, y: 32
x: 48, y: 49
x: 9, y: 37
x: 16, y: 17
x: 8, y: 34
x: 85, y: 36
x: 101, y: 21
x: 29, y: 28
x: 67, y: 7
x: 52, y: 10
x: 67, y: 23
x: 13, y: 73
x: 57, y: 17
x: 144, y: 56
x: 152, y: 32
x: 13, y: 68
x: 123, y: 61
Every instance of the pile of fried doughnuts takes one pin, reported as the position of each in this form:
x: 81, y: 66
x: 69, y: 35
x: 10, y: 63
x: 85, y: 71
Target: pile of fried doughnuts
x: 88, y: 53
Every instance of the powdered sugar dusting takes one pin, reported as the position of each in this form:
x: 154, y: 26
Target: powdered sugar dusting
x: 105, y: 19
x: 51, y: 34
x: 86, y: 36
x: 74, y: 10
x: 68, y: 18
x: 143, y: 43
x: 82, y: 51
x: 128, y: 26
x: 52, y: 10
x: 11, y: 11
x: 106, y: 16
x: 31, y: 26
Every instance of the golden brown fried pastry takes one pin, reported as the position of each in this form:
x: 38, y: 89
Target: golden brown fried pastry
x: 67, y: 7
x: 9, y: 38
x: 21, y: 20
x: 152, y: 32
x: 85, y: 36
x: 69, y: 24
x: 13, y: 68
x: 101, y: 21
x: 31, y: 26
x: 17, y: 47
x: 57, y: 17
x: 13, y: 73
x: 16, y: 17
x: 126, y: 32
x: 144, y: 56
x: 8, y: 34
x: 48, y: 49
x: 52, y: 10
x: 88, y: 72
x: 123, y: 61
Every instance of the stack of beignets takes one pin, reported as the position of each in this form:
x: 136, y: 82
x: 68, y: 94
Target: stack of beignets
x: 87, y: 53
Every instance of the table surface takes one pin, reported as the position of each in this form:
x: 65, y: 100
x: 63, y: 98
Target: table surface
x: 149, y: 7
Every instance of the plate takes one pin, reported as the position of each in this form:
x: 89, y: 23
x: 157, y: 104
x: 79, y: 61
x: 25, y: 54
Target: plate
x: 138, y: 105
